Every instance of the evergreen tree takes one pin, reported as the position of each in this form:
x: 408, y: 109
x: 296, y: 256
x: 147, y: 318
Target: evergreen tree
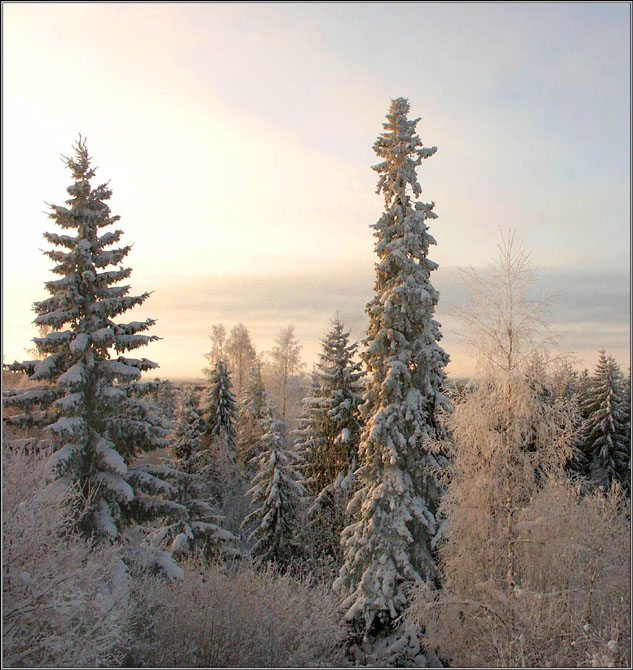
x: 627, y: 410
x: 275, y: 497
x: 189, y: 429
x: 330, y: 427
x: 165, y: 399
x: 89, y: 396
x: 254, y: 415
x: 311, y: 431
x: 580, y: 461
x: 197, y: 524
x: 220, y: 410
x: 390, y: 541
x: 605, y: 445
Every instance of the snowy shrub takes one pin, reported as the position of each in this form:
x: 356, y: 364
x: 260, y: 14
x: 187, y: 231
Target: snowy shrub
x: 573, y: 602
x: 64, y: 605
x: 223, y: 617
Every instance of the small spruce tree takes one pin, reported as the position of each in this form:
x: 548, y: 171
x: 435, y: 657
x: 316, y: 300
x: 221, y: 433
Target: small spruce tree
x: 220, y: 411
x: 275, y: 493
x: 311, y: 438
x: 605, y: 444
x: 197, y: 523
x: 330, y: 427
x: 189, y: 429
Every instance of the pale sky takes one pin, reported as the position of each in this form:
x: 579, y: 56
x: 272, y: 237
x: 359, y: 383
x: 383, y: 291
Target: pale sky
x: 237, y: 139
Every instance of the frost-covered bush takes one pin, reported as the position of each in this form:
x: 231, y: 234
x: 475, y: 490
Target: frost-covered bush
x: 223, y: 617
x: 573, y: 602
x: 64, y: 605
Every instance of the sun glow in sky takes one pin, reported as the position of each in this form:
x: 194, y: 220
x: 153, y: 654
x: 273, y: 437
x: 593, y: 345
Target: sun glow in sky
x: 237, y: 139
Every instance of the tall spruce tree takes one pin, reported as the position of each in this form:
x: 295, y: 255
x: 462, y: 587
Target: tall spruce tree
x: 89, y: 396
x: 389, y: 543
x: 606, y: 446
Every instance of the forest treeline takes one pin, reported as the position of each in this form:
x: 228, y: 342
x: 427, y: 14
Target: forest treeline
x: 367, y: 512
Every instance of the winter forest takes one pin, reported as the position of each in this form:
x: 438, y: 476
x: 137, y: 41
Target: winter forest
x: 368, y: 512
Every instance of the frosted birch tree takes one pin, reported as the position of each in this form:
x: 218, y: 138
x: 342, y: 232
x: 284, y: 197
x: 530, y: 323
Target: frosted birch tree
x: 509, y: 432
x: 285, y: 368
x: 389, y: 542
x: 218, y: 345
x: 240, y: 356
x: 87, y: 393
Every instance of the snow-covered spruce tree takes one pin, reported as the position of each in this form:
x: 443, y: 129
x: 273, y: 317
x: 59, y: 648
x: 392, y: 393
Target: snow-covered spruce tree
x: 389, y: 543
x: 189, y: 429
x: 627, y: 410
x: 330, y: 427
x: 578, y: 465
x: 165, y: 399
x: 605, y: 443
x: 197, y: 526
x: 254, y: 415
x: 220, y: 410
x: 89, y: 396
x: 310, y: 433
x: 276, y: 493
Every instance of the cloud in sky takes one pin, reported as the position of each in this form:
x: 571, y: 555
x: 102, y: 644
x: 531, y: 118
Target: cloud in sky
x: 589, y: 311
